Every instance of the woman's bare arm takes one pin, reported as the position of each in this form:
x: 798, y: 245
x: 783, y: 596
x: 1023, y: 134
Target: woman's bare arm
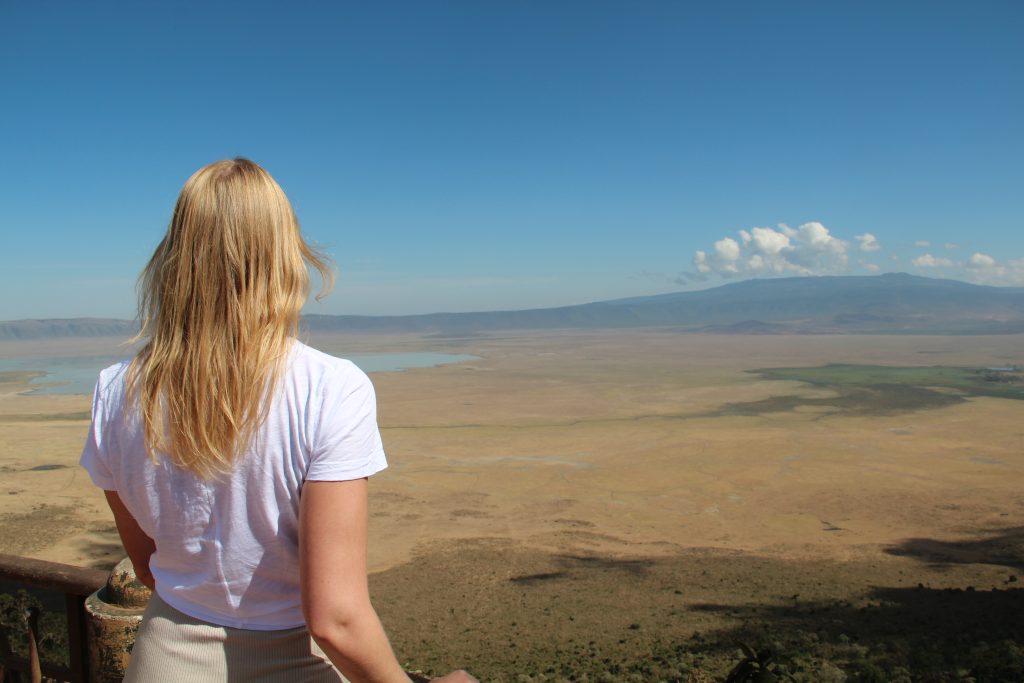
x: 136, y: 543
x: 335, y: 596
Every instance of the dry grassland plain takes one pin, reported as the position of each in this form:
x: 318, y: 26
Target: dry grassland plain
x: 587, y: 504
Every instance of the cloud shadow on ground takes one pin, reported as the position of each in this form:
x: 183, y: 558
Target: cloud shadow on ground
x: 1003, y: 547
x: 936, y: 634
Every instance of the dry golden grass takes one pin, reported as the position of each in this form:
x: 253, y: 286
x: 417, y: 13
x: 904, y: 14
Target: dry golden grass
x: 607, y: 441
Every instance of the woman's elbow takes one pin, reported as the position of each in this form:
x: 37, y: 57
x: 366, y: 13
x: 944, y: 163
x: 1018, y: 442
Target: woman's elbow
x: 336, y: 626
x: 325, y: 629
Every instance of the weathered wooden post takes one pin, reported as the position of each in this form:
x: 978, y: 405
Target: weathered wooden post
x: 114, y: 614
x: 35, y: 671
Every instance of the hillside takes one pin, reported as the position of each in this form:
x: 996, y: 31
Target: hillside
x: 66, y: 327
x: 881, y: 304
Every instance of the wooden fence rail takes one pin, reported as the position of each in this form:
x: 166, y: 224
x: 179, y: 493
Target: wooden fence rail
x: 76, y: 583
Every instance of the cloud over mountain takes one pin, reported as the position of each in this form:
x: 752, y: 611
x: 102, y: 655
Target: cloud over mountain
x: 929, y: 261
x: 808, y: 250
x: 980, y: 268
x: 987, y: 270
x: 868, y: 242
x: 812, y: 249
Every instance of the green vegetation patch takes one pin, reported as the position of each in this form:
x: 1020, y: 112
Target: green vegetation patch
x: 78, y: 416
x: 17, y: 607
x: 883, y: 389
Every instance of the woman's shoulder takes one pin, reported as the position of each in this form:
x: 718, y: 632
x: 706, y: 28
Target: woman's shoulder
x: 109, y: 395
x: 318, y: 366
x: 112, y: 377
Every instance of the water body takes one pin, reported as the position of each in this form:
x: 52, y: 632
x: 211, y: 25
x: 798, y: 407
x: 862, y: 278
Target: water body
x: 77, y: 375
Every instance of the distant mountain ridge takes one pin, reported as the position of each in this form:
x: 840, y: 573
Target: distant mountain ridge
x: 51, y: 328
x: 893, y: 303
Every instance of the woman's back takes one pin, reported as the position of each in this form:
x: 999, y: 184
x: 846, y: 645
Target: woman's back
x: 227, y: 547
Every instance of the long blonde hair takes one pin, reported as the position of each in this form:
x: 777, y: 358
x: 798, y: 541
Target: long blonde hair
x: 219, y: 302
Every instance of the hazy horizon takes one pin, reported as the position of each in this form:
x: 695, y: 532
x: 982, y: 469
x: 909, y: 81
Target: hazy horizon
x: 654, y: 296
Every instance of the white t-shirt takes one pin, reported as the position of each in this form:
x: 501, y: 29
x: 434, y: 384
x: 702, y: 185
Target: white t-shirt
x: 227, y: 549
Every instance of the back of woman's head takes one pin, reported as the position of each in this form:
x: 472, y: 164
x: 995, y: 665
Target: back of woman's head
x: 219, y: 303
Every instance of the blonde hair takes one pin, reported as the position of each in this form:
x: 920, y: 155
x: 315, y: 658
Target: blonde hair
x: 219, y: 303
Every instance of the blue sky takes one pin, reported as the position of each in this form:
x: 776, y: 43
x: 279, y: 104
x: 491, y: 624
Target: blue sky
x: 457, y: 156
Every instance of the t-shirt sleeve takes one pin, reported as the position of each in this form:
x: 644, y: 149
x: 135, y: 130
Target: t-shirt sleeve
x: 94, y: 454
x: 347, y: 444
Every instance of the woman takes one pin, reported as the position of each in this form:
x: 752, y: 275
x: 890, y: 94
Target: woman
x: 205, y: 440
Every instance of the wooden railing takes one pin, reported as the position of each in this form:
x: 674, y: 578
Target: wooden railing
x: 76, y: 583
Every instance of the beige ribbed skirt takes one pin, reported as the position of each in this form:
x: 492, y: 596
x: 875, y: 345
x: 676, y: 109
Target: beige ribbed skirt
x: 175, y: 648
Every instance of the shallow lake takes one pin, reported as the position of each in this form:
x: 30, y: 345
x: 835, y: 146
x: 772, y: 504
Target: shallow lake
x: 77, y: 374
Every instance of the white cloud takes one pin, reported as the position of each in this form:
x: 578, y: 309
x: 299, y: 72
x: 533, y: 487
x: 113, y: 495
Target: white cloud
x: 984, y: 269
x: 812, y: 249
x: 868, y: 242
x: 929, y: 261
x: 924, y: 244
x: 724, y: 260
x: 808, y: 250
x: 816, y: 234
x: 767, y: 241
x: 700, y: 262
x: 727, y: 251
x: 980, y: 261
